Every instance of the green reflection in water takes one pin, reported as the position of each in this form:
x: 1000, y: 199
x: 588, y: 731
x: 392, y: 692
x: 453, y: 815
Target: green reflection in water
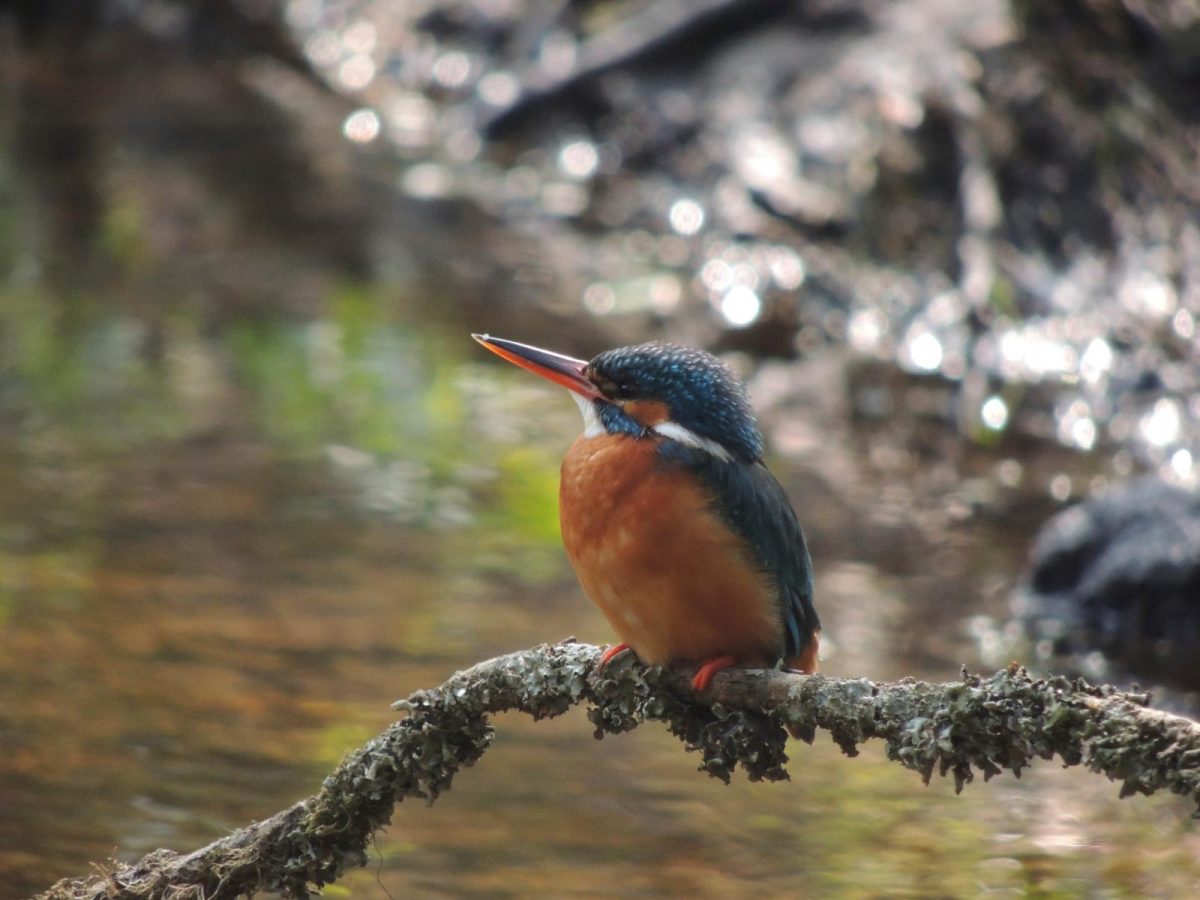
x: 225, y: 546
x: 224, y: 549
x: 354, y: 376
x: 389, y: 401
x: 529, y: 494
x: 122, y: 235
x: 80, y: 372
x: 89, y: 383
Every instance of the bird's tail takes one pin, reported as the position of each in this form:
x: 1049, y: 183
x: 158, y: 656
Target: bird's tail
x: 809, y: 660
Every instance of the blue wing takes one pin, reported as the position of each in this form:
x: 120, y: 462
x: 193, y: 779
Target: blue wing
x: 749, y: 499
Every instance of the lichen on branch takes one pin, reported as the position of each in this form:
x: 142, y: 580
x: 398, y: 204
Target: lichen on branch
x: 976, y: 724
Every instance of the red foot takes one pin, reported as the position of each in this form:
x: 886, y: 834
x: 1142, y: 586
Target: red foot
x: 708, y: 670
x: 609, y: 655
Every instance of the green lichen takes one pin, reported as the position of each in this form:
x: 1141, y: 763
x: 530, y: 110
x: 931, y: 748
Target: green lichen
x: 975, y: 725
x: 1010, y: 719
x: 625, y: 696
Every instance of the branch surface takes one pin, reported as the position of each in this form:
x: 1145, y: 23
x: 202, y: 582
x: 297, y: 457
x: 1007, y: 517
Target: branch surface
x: 984, y: 725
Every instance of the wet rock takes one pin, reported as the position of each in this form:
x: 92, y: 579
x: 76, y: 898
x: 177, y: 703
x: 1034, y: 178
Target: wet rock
x: 1119, y: 576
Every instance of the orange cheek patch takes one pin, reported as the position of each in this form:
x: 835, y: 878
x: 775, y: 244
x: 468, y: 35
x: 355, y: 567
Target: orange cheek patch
x: 647, y: 412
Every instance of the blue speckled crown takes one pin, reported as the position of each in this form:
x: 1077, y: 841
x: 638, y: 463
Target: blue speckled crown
x: 700, y: 391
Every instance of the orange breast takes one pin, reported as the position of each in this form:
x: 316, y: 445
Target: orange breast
x: 673, y: 581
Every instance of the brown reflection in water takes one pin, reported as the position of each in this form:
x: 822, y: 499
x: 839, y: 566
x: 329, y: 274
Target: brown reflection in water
x: 216, y: 628
x: 233, y: 625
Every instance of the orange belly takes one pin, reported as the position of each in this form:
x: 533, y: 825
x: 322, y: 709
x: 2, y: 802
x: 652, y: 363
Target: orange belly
x: 675, y: 583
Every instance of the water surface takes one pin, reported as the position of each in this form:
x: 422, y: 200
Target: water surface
x: 253, y: 490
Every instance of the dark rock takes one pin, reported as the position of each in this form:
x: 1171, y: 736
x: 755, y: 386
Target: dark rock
x: 1120, y: 575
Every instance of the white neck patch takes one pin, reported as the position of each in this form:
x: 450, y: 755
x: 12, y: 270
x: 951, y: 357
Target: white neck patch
x: 687, y: 437
x: 593, y: 427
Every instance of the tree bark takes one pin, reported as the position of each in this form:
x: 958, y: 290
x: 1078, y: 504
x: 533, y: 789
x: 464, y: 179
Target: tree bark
x: 975, y: 724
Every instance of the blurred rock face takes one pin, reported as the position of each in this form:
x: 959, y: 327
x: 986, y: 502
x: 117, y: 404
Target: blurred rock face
x: 1120, y: 575
x: 998, y: 194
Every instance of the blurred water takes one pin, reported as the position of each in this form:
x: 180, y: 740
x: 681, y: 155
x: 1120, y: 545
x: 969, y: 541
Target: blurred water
x: 199, y: 620
x: 256, y: 482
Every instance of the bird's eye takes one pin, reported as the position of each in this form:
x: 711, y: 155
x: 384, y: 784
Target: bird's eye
x: 622, y: 391
x: 614, y: 390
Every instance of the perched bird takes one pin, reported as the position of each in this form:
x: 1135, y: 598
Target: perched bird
x: 674, y: 526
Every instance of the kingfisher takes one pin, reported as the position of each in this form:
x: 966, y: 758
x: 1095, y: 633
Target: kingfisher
x: 674, y: 526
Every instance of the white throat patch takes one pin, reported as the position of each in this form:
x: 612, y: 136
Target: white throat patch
x: 592, y: 426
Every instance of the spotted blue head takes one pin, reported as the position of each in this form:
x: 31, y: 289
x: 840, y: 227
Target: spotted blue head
x: 657, y: 389
x: 681, y: 393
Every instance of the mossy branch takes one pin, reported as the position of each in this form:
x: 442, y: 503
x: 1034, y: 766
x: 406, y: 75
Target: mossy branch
x: 975, y: 724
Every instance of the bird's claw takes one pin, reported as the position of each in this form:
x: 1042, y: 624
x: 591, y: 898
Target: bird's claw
x: 610, y: 654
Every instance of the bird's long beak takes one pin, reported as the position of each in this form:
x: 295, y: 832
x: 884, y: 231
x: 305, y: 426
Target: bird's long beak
x: 564, y: 370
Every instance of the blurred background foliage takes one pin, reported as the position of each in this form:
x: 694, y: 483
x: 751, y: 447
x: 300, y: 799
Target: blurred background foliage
x: 256, y: 481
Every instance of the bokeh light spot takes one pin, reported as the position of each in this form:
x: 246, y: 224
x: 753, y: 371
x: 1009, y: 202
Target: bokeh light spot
x: 356, y: 72
x: 994, y: 413
x: 452, y: 69
x: 361, y: 126
x: 686, y: 216
x: 1060, y: 487
x: 1161, y: 426
x: 925, y: 351
x: 498, y: 88
x: 740, y: 306
x: 578, y: 159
